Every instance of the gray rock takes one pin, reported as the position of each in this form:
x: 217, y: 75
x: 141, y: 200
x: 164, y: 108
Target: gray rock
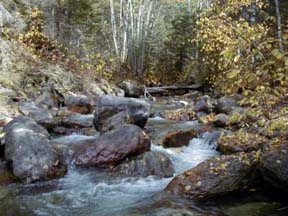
x: 31, y: 110
x: 117, y: 120
x: 69, y: 145
x: 149, y: 163
x: 226, y: 105
x: 221, y: 120
x: 28, y: 150
x: 76, y: 120
x: 10, y: 18
x: 132, y: 89
x: 50, y: 100
x: 40, y: 115
x: 274, y: 167
x: 108, y: 106
x: 204, y: 104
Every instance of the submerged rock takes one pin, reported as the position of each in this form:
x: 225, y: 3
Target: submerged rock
x: 274, y: 167
x: 216, y: 177
x: 132, y: 89
x: 146, y: 164
x: 132, y: 111
x: 29, y: 152
x: 113, y: 147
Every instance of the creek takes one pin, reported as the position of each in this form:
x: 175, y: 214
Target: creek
x: 102, y: 193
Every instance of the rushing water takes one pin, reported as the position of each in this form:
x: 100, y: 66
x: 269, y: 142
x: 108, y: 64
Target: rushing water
x: 92, y: 192
x: 100, y: 193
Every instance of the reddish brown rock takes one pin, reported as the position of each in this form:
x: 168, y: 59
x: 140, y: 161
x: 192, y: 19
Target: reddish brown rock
x: 112, y: 147
x: 178, y: 138
x: 80, y: 104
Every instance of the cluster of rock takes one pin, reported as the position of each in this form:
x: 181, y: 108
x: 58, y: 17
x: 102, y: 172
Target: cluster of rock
x: 117, y: 142
x: 249, y: 160
x: 229, y: 174
x: 28, y: 152
x: 206, y: 109
x: 123, y: 145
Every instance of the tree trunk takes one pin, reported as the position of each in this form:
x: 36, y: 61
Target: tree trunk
x: 278, y: 16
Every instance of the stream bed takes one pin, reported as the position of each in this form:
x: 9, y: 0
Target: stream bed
x: 101, y: 193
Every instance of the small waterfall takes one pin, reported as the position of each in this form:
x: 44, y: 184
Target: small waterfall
x: 198, y: 150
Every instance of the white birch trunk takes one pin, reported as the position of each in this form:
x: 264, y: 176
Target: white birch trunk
x: 279, y: 23
x: 114, y: 29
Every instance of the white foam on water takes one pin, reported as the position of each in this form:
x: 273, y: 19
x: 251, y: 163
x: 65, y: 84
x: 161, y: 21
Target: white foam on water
x: 87, y: 194
x: 187, y: 157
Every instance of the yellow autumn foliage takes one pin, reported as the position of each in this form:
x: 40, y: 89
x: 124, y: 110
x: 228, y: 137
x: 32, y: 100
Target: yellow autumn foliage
x: 243, y: 57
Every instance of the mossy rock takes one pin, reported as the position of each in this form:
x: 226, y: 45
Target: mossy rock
x: 240, y: 142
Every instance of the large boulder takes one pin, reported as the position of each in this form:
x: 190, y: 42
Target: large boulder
x: 149, y: 163
x: 127, y: 110
x: 29, y: 152
x: 69, y: 145
x: 116, y: 120
x: 41, y: 115
x: 274, y: 166
x: 132, y: 89
x: 113, y: 147
x: 216, y: 177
